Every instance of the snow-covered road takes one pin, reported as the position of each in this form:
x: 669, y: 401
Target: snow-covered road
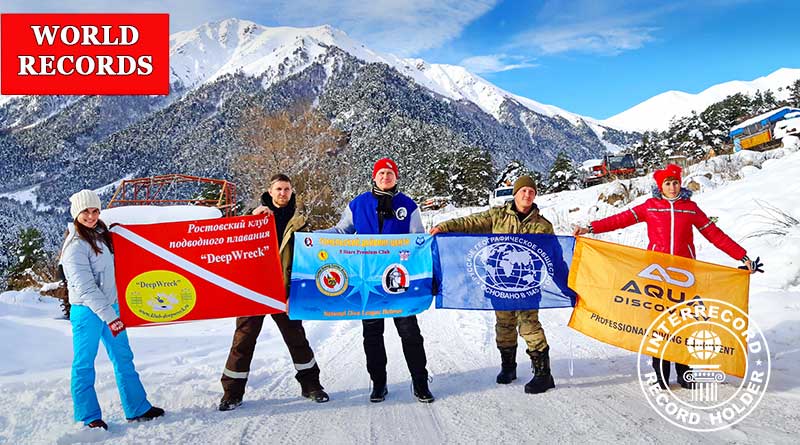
x: 180, y: 366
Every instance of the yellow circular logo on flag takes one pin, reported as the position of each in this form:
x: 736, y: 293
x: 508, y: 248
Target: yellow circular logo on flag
x: 160, y: 296
x: 322, y: 255
x: 332, y: 280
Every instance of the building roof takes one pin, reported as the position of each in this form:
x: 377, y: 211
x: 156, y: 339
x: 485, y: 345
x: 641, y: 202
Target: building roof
x: 769, y: 116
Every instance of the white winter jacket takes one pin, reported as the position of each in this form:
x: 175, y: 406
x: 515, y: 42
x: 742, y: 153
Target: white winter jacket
x: 90, y: 277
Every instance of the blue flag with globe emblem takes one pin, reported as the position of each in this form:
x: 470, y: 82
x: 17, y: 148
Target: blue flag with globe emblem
x: 503, y: 272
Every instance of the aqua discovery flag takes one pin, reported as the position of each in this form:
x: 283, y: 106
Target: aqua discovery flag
x: 338, y: 277
x: 503, y: 272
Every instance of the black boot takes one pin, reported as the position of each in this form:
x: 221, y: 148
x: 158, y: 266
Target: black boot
x: 97, y: 424
x: 379, y: 392
x: 151, y: 414
x: 508, y: 365
x: 229, y: 404
x: 317, y: 395
x: 682, y: 371
x: 542, y: 379
x: 421, y: 391
x: 662, y: 372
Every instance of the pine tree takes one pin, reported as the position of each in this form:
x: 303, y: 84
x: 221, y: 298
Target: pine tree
x: 758, y: 102
x: 6, y: 246
x: 511, y: 172
x: 464, y: 177
x: 28, y: 258
x: 770, y: 101
x: 686, y: 136
x: 439, y: 176
x: 648, y: 152
x: 538, y: 178
x: 763, y: 102
x: 563, y: 174
x: 721, y: 117
x: 472, y: 178
x: 794, y: 94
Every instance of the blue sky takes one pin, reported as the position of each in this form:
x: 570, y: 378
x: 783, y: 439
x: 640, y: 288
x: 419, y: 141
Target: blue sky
x: 592, y: 57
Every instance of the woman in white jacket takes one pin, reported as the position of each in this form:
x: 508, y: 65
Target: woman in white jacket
x: 88, y: 261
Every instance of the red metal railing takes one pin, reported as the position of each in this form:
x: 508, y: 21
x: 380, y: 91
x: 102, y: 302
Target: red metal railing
x: 158, y: 190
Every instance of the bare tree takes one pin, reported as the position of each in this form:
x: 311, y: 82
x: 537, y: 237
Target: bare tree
x: 301, y: 143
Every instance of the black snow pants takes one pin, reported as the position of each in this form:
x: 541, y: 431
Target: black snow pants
x: 413, y: 348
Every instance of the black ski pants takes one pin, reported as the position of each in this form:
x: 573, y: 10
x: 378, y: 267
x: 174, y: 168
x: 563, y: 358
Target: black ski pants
x: 413, y: 348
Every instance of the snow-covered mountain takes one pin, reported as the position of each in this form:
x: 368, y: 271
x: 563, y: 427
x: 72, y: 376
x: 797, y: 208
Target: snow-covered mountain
x: 416, y: 112
x: 212, y: 50
x: 655, y: 113
x: 230, y: 46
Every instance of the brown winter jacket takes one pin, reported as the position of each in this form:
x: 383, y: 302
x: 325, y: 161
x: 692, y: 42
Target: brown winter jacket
x: 499, y: 220
x: 286, y: 249
x: 297, y: 223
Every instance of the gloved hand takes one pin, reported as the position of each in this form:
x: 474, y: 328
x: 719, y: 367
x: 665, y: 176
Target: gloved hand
x: 754, y: 266
x: 116, y: 327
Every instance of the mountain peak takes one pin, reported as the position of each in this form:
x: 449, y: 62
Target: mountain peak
x: 235, y: 45
x: 656, y: 112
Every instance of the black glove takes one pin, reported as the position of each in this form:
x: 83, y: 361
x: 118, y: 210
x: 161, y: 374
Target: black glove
x: 757, y: 264
x: 60, y: 276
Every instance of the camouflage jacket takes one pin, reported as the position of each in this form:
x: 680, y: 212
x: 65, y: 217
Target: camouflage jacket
x: 499, y: 220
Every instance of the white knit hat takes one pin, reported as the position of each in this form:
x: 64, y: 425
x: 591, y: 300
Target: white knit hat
x: 84, y: 199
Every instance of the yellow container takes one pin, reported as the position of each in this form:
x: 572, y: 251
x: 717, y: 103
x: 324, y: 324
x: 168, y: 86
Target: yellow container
x: 756, y: 139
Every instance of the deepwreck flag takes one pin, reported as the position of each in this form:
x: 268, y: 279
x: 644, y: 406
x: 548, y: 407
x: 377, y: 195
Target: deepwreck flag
x: 503, y: 272
x: 338, y: 277
x: 196, y: 270
x: 627, y: 295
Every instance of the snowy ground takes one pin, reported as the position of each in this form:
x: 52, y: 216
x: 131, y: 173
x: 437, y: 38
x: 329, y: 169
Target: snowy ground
x: 600, y: 401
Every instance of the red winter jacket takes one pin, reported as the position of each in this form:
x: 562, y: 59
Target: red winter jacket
x: 669, y: 226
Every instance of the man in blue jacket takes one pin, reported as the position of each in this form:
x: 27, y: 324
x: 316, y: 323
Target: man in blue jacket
x: 384, y: 210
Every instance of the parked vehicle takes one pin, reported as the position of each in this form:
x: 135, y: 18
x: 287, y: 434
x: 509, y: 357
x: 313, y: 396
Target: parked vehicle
x: 435, y: 203
x: 611, y: 167
x: 501, y: 195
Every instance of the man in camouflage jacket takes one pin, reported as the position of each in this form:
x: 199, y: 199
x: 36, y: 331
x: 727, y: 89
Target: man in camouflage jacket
x: 520, y: 216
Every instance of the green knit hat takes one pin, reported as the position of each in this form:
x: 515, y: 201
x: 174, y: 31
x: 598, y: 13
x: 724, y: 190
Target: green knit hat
x: 523, y: 181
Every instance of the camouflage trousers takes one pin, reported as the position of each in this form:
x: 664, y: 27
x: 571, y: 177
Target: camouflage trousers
x: 529, y: 328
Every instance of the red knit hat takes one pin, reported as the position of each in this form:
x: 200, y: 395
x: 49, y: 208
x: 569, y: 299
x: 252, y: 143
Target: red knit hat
x: 670, y: 170
x: 384, y: 163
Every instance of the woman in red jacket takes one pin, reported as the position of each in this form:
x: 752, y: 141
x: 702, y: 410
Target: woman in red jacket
x: 670, y: 216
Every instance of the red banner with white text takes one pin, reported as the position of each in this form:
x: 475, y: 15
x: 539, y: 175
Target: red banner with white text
x: 197, y: 270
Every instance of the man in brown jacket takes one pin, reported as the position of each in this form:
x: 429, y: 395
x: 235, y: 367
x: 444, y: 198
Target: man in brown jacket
x: 280, y: 201
x: 518, y: 216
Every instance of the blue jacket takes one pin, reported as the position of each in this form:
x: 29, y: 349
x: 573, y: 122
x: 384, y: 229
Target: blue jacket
x: 90, y: 277
x: 361, y: 216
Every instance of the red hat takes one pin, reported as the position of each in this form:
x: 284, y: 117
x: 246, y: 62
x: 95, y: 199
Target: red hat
x: 670, y: 171
x: 384, y: 163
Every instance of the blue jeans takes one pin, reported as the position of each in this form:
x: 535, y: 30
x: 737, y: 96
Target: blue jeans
x: 87, y: 331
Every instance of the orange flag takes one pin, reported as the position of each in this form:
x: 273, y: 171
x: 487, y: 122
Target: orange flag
x: 666, y: 306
